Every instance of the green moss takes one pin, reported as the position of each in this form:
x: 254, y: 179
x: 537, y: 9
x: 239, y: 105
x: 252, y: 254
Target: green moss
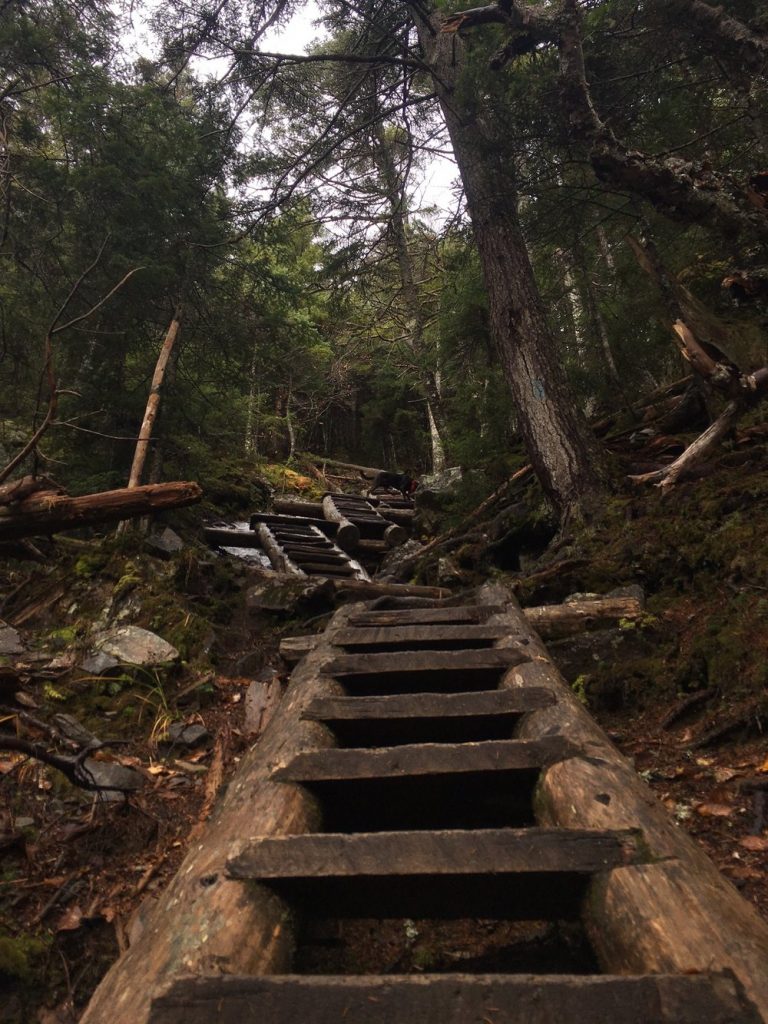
x: 18, y: 954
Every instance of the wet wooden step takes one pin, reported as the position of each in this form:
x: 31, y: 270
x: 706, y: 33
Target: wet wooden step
x: 425, y: 616
x: 426, y: 717
x: 447, y: 852
x: 455, y: 999
x: 424, y: 759
x: 434, y: 636
x: 506, y: 874
x: 425, y: 671
x: 430, y: 705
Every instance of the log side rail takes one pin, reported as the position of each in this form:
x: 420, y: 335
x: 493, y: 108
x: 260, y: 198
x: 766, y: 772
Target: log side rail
x: 301, y: 828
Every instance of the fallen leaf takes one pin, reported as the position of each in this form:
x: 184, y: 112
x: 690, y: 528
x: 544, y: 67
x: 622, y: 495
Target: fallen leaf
x: 187, y: 766
x: 714, y: 810
x: 70, y: 920
x: 724, y: 774
x: 764, y: 766
x: 25, y: 700
x: 755, y: 843
x: 742, y: 871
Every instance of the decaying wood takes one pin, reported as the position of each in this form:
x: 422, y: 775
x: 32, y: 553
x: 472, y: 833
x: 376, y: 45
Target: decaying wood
x: 18, y: 490
x: 675, y: 914
x: 49, y: 513
x: 205, y: 922
x: 556, y: 620
x: 429, y: 635
x: 435, y: 999
x: 314, y: 510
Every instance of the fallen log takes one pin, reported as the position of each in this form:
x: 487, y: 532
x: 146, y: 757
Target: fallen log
x: 50, y: 512
x: 17, y: 490
x: 275, y: 552
x: 314, y: 510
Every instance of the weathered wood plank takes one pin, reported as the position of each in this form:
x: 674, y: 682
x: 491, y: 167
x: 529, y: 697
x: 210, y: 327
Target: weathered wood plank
x: 360, y: 636
x: 424, y: 759
x: 397, y: 854
x: 426, y: 661
x: 424, y: 616
x: 429, y: 705
x: 455, y: 999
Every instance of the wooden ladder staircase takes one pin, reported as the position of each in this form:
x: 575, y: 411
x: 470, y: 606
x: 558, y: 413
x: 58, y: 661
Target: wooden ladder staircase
x: 447, y: 794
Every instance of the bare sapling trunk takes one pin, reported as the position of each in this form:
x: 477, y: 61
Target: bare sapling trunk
x: 153, y: 404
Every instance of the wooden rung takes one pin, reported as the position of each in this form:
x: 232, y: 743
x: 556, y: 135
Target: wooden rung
x: 435, y: 634
x: 424, y: 616
x: 429, y: 705
x: 425, y: 759
x: 443, y: 998
x: 426, y: 661
x: 449, y: 852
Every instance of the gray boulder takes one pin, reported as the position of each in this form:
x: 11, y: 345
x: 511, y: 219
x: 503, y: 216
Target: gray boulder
x: 132, y: 645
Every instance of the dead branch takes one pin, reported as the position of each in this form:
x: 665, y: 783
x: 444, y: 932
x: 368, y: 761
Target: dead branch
x: 75, y: 768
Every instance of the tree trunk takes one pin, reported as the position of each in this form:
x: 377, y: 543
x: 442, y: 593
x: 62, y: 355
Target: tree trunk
x: 153, y: 402
x: 562, y: 449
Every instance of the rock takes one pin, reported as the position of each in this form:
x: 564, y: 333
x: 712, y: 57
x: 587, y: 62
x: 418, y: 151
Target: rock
x: 10, y: 641
x: 631, y: 590
x: 132, y: 645
x: 69, y: 726
x: 444, y: 481
x: 397, y: 565
x: 115, y: 778
x: 448, y: 573
x: 164, y: 543
x: 98, y: 663
x: 24, y: 823
x: 181, y: 734
x: 288, y: 595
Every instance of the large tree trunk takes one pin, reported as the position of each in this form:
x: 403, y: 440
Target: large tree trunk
x: 564, y: 454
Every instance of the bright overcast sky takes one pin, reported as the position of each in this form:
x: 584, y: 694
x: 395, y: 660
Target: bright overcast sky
x: 437, y: 186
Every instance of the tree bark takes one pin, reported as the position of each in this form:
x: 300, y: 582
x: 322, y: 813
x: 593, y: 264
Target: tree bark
x: 563, y: 451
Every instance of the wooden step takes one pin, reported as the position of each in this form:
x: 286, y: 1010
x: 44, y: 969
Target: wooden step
x: 424, y: 616
x: 424, y: 759
x: 431, y: 636
x: 426, y: 717
x: 424, y: 671
x: 455, y: 999
x: 506, y: 874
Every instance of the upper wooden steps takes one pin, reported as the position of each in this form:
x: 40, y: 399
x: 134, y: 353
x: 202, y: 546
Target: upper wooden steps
x: 455, y: 999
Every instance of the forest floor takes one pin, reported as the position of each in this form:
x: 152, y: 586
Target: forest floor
x: 683, y: 693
